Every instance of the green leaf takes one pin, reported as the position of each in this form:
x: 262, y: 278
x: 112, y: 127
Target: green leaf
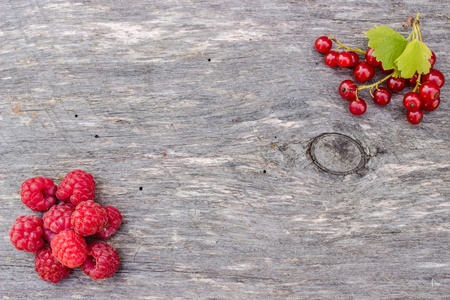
x: 414, y: 59
x: 387, y: 43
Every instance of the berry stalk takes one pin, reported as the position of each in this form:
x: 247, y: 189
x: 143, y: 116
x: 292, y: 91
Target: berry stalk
x: 331, y: 37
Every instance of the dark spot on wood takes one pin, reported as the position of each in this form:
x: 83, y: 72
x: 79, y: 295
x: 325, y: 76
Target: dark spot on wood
x: 141, y: 188
x: 76, y: 116
x: 264, y: 171
x: 337, y: 154
x: 209, y: 59
x: 96, y: 136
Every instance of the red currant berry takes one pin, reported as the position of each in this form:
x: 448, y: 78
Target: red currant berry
x: 435, y: 76
x: 432, y: 59
x: 429, y: 91
x: 414, y: 117
x: 382, y: 96
x: 347, y: 89
x: 396, y: 84
x: 371, y: 59
x: 355, y: 58
x: 357, y: 107
x: 344, y: 59
x: 331, y: 59
x: 431, y: 105
x: 385, y: 71
x: 323, y: 44
x: 411, y: 101
x: 413, y: 80
x: 363, y: 71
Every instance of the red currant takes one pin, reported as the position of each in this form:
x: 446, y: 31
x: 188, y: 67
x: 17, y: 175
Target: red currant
x: 323, y: 44
x: 363, y: 71
x: 385, y: 71
x: 347, y: 89
x: 414, y: 117
x: 344, y: 59
x: 382, y: 96
x: 431, y: 105
x: 357, y: 107
x: 355, y: 58
x: 429, y: 91
x: 331, y: 59
x: 434, y: 76
x: 411, y: 101
x: 432, y: 59
x: 413, y: 80
x: 371, y: 59
x: 396, y: 84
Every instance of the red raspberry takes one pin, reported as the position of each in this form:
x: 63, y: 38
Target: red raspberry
x: 69, y: 248
x: 26, y: 234
x: 88, y: 218
x: 57, y: 218
x: 48, y: 268
x: 102, y: 261
x: 38, y: 193
x: 114, y: 222
x: 77, y: 186
x: 48, y: 235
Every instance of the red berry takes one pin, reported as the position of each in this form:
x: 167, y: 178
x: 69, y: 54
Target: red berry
x: 435, y: 76
x: 411, y: 101
x: 344, y: 59
x: 432, y: 59
x: 26, y: 234
x: 396, y: 84
x: 114, y: 222
x: 382, y: 96
x: 363, y: 71
x: 357, y: 107
x: 57, y: 218
x: 380, y: 66
x: 88, y: 218
x: 371, y: 59
x: 38, y: 193
x: 429, y: 91
x: 347, y: 89
x: 323, y: 44
x: 355, y: 58
x: 331, y: 59
x: 413, y: 80
x: 48, y: 234
x: 48, y: 268
x: 431, y: 105
x: 102, y: 261
x: 69, y: 248
x: 76, y: 186
x: 414, y: 117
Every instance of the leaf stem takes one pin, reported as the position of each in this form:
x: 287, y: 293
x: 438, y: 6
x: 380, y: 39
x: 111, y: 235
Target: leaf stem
x: 417, y: 83
x: 331, y: 37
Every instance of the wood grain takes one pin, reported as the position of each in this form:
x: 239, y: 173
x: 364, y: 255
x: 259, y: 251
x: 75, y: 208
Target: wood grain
x: 195, y: 118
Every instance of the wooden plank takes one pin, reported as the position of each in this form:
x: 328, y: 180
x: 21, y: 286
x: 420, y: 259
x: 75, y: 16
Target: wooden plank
x: 196, y: 118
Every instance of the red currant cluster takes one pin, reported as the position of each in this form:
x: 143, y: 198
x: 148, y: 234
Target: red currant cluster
x: 426, y: 99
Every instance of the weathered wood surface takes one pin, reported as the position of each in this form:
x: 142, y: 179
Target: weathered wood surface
x: 233, y: 93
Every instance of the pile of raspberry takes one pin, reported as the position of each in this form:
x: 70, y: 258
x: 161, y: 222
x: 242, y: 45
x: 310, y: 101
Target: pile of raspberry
x: 65, y: 226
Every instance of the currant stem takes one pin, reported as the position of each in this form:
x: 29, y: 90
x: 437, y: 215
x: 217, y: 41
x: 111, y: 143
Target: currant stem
x: 417, y: 83
x: 371, y: 86
x: 345, y: 47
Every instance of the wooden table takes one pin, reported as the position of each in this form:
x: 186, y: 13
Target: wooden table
x: 198, y: 120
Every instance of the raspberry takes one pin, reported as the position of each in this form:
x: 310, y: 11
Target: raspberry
x: 38, y: 193
x: 88, y: 218
x: 114, y: 221
x: 102, y: 261
x: 57, y: 218
x: 48, y: 268
x: 26, y: 234
x: 69, y: 248
x: 48, y: 235
x: 77, y: 186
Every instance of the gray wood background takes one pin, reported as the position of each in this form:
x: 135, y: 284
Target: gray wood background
x: 195, y: 118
